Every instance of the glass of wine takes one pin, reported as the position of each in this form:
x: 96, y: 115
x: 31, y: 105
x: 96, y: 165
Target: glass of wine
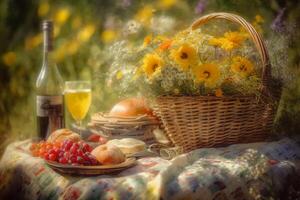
x: 78, y: 99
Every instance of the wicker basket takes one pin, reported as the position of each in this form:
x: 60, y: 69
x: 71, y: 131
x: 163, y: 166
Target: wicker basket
x: 192, y: 122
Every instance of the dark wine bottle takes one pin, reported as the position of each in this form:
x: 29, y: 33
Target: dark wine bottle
x: 49, y: 89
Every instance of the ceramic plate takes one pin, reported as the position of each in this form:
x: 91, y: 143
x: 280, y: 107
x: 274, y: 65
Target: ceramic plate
x: 92, y: 170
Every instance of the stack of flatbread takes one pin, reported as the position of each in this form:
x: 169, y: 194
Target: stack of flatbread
x: 139, y: 127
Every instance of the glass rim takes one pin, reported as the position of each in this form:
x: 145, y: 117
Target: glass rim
x: 66, y: 82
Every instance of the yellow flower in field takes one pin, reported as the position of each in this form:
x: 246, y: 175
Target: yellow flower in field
x: 62, y: 15
x: 108, y: 36
x: 119, y: 75
x: 56, y: 30
x: 144, y: 15
x: 147, y: 40
x: 76, y: 22
x: 60, y: 52
x: 72, y: 47
x: 208, y: 73
x: 166, y: 4
x: 33, y: 42
x: 241, y: 66
x: 86, y: 33
x: 185, y: 56
x: 219, y: 92
x: 9, y: 58
x: 259, y: 19
x: 43, y: 9
x: 152, y: 63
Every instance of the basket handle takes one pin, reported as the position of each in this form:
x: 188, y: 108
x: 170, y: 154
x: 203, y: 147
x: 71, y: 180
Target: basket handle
x: 256, y: 37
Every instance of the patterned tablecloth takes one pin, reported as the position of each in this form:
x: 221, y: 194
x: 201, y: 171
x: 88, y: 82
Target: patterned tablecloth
x: 247, y: 171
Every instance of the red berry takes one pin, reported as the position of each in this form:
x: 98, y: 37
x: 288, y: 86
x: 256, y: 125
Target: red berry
x: 80, y: 160
x: 63, y: 160
x: 46, y: 156
x: 52, y: 157
x: 56, y: 149
x: 87, y: 148
x: 66, y: 155
x: 68, y: 145
x: 73, y: 159
x: 73, y: 149
x: 94, y: 138
x: 79, y: 152
x: 51, y: 151
x: 81, y: 143
x: 76, y: 145
x: 61, y: 154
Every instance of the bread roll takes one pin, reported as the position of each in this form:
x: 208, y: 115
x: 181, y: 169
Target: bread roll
x: 128, y: 145
x: 63, y: 134
x: 108, y: 154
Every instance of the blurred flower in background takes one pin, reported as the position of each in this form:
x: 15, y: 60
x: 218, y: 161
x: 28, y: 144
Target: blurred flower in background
x: 200, y: 7
x: 9, y: 58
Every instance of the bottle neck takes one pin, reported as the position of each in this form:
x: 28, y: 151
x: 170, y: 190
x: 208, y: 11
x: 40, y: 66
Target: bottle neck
x: 48, y: 46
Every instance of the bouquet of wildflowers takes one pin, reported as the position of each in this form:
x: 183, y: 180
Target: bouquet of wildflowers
x: 190, y: 63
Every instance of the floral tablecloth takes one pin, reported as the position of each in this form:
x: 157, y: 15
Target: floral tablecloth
x: 246, y: 171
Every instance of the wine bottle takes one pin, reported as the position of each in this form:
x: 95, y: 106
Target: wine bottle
x: 49, y: 89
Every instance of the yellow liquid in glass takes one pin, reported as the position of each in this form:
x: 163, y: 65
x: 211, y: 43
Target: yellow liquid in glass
x: 78, y: 103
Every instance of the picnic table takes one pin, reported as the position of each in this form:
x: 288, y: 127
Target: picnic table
x: 268, y: 170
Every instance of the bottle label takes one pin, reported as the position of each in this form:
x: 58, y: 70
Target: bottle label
x: 50, y: 114
x: 50, y: 106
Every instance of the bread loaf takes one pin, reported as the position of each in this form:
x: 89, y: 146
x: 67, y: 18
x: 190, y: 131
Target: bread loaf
x: 63, y: 134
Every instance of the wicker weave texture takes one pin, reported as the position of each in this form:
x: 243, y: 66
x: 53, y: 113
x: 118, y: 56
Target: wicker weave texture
x: 192, y: 122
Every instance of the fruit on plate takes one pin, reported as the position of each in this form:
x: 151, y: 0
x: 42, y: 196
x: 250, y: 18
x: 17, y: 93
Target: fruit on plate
x: 63, y: 134
x: 97, y: 138
x: 66, y: 152
x: 128, y: 145
x: 40, y: 148
x: 108, y: 154
x: 130, y: 107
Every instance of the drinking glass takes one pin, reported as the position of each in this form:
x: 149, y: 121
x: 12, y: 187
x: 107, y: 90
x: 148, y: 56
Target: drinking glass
x: 78, y: 99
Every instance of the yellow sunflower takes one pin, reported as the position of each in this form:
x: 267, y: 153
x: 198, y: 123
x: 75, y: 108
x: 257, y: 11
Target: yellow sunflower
x: 241, y: 66
x: 209, y: 73
x: 231, y: 40
x: 235, y: 37
x: 185, y: 56
x: 152, y: 63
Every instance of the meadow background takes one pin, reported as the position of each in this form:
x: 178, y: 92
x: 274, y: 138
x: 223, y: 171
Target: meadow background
x: 85, y: 31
